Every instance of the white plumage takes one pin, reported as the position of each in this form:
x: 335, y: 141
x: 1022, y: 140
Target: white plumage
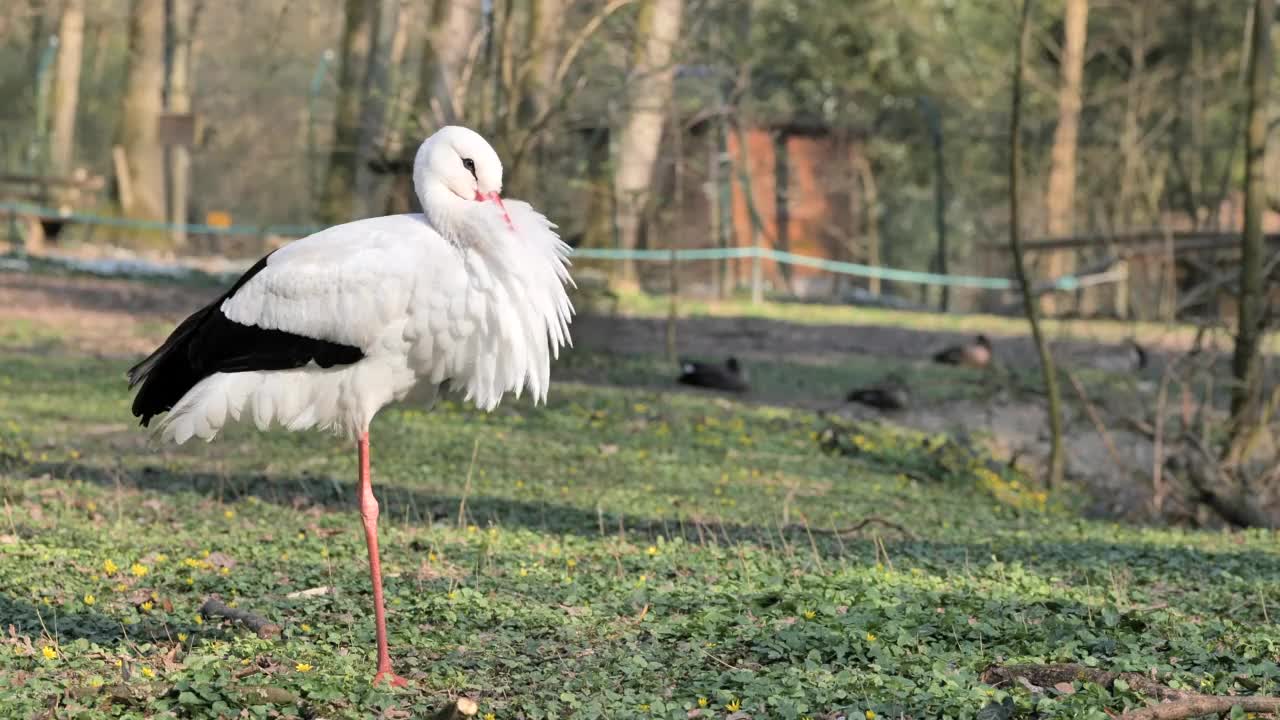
x: 481, y: 306
x: 329, y: 329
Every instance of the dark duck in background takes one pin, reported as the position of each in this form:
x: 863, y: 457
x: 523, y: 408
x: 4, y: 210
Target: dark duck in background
x: 976, y: 354
x: 729, y: 377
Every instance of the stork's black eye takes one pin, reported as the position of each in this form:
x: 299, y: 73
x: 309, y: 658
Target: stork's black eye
x: 470, y: 165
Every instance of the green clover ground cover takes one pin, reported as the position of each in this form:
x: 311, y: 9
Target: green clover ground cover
x: 620, y: 553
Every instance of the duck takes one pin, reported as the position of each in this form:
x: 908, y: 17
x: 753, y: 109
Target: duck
x: 890, y: 394
x: 976, y: 354
x: 729, y: 377
x: 1132, y: 359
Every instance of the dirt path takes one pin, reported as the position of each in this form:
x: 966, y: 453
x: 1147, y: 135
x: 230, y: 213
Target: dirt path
x: 125, y: 317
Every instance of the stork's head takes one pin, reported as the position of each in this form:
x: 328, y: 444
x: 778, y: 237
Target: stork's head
x: 460, y: 161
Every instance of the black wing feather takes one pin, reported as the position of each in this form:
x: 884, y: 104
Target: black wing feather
x: 208, y: 342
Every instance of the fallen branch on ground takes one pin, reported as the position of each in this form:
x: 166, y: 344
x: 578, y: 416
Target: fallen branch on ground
x: 1204, y: 705
x: 267, y: 695
x: 851, y: 529
x: 265, y: 629
x: 311, y: 592
x: 1050, y: 675
x: 1174, y: 704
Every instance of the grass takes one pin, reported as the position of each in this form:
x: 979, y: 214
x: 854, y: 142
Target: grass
x: 1095, y: 330
x: 623, y: 552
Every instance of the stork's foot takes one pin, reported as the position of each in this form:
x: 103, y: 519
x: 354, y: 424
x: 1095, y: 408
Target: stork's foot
x: 386, y: 676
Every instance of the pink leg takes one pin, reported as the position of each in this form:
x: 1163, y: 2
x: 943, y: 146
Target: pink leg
x: 369, y: 514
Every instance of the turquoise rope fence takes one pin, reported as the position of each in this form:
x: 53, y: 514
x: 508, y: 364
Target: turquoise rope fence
x: 835, y: 266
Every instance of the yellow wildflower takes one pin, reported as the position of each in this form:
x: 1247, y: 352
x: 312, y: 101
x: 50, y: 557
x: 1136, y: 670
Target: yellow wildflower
x: 644, y: 707
x: 225, y: 570
x: 199, y: 619
x: 871, y: 637
x: 162, y: 558
x: 702, y: 702
x: 571, y: 563
x: 205, y: 553
x: 182, y: 637
x: 89, y: 599
x: 809, y: 614
x: 490, y: 716
x: 139, y: 570
x: 733, y: 706
x: 49, y: 653
x: 228, y: 514
x: 652, y: 550
x: 96, y: 682
x: 302, y: 667
x: 147, y: 606
x: 148, y: 673
x: 109, y: 567
x: 305, y: 627
x: 871, y: 715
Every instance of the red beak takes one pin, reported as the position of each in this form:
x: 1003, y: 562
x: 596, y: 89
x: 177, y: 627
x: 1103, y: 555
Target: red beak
x: 496, y: 199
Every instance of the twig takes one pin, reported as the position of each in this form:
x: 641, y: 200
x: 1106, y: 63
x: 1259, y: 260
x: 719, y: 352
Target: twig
x: 312, y: 592
x: 1157, y: 450
x: 1092, y: 412
x: 888, y: 561
x: 854, y: 528
x: 466, y: 489
x: 265, y: 629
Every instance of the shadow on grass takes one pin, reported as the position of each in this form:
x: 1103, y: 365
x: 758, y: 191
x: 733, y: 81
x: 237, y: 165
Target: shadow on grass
x: 1050, y: 554
x: 55, y: 622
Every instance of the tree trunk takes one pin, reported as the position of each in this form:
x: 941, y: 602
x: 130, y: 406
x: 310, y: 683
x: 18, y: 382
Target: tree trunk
x: 647, y: 95
x: 1056, y: 459
x: 1060, y: 200
x: 537, y: 87
x: 339, y: 184
x: 183, y: 24
x: 373, y: 107
x: 715, y: 208
x: 141, y: 111
x: 1244, y: 363
x: 870, y: 209
x: 66, y: 90
x: 451, y: 46
x: 546, y: 18
x: 939, y: 197
x: 781, y: 204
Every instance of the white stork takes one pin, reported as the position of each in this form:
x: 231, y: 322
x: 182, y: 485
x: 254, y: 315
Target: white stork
x: 327, y: 330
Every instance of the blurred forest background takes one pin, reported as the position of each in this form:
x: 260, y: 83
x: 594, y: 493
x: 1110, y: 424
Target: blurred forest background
x: 867, y: 131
